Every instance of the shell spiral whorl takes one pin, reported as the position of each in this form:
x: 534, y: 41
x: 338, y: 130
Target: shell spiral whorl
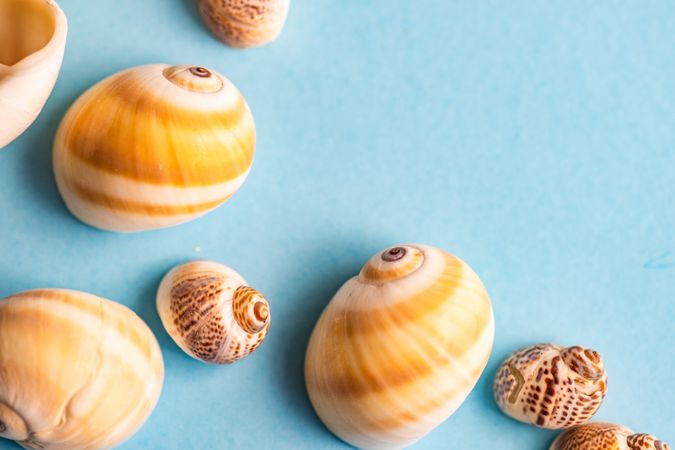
x: 587, y: 363
x: 550, y: 386
x: 194, y: 78
x: 605, y: 436
x: 399, y: 347
x: 392, y: 264
x: 211, y: 313
x: 251, y: 309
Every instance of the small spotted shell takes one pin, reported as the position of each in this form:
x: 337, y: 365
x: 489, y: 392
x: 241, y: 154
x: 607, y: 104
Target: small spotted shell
x: 551, y: 386
x: 244, y: 23
x: 211, y: 313
x: 606, y: 436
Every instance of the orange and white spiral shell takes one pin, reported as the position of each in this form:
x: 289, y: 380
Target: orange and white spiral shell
x: 399, y: 347
x: 245, y: 23
x: 77, y: 372
x: 152, y: 147
x: 550, y: 386
x: 606, y: 436
x: 211, y: 313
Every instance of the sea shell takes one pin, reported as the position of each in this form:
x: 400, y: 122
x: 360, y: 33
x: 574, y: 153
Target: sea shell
x: 152, y: 147
x: 399, y: 347
x: 605, y: 436
x: 245, y: 23
x: 32, y: 41
x: 211, y: 312
x: 76, y: 371
x: 550, y: 386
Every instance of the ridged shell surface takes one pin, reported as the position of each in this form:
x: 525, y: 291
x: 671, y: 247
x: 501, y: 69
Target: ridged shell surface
x: 32, y: 41
x: 211, y: 313
x: 76, y: 371
x: 606, y: 436
x: 550, y: 386
x: 152, y: 147
x: 245, y: 23
x: 399, y: 347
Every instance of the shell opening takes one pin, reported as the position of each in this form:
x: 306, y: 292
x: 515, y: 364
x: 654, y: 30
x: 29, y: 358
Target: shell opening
x: 26, y: 26
x: 194, y: 78
x: 12, y: 426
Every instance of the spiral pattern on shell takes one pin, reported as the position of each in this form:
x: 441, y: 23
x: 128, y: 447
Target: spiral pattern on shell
x: 211, y: 313
x: 244, y: 23
x: 76, y: 371
x: 605, y: 436
x: 550, y: 386
x: 152, y: 147
x: 399, y: 347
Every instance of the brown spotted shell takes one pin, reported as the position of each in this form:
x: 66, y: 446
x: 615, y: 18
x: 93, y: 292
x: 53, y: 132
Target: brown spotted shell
x: 550, y: 386
x: 606, y: 436
x: 211, y: 313
x: 244, y: 23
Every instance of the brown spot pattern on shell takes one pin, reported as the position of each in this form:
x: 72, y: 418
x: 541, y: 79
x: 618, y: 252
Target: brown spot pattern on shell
x: 244, y: 23
x: 550, y: 386
x: 195, y: 309
x: 605, y: 436
x: 211, y: 313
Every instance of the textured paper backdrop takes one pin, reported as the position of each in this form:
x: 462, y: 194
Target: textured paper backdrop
x: 536, y: 140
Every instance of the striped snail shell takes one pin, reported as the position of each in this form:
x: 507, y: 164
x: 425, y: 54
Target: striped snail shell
x: 399, y: 347
x: 211, y: 312
x: 605, y: 436
x: 152, y: 147
x: 77, y: 372
x: 245, y: 23
x: 550, y: 386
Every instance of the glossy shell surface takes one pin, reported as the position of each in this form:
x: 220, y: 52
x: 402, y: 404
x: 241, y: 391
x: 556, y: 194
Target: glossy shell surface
x: 76, y: 371
x: 152, y: 147
x: 399, y: 347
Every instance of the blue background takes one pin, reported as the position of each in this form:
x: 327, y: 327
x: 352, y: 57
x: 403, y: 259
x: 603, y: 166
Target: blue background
x: 536, y: 140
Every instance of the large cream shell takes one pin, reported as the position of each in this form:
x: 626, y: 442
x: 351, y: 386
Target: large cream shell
x: 551, y: 386
x: 211, y: 313
x: 27, y: 75
x: 244, y: 23
x: 605, y: 436
x: 152, y: 147
x: 76, y: 371
x: 399, y: 347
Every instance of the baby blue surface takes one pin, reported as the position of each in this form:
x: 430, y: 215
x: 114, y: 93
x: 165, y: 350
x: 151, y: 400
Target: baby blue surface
x: 536, y: 140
